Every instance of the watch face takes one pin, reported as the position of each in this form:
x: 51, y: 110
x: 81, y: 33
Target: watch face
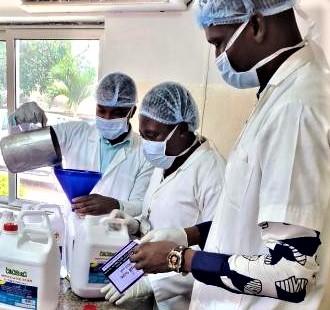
x: 174, y: 260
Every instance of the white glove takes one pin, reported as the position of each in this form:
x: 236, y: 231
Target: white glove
x: 140, y: 289
x: 28, y: 112
x: 177, y: 235
x: 132, y: 224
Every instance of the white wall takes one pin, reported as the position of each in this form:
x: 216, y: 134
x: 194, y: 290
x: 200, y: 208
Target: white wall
x: 155, y: 47
x: 158, y: 47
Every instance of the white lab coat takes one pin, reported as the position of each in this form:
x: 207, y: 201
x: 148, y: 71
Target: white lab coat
x: 128, y: 175
x: 278, y: 171
x: 186, y: 197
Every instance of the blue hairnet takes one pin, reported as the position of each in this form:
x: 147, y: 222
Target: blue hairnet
x: 170, y: 103
x: 220, y: 12
x: 116, y: 90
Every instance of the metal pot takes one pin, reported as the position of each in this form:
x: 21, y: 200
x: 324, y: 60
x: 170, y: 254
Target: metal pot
x: 31, y: 149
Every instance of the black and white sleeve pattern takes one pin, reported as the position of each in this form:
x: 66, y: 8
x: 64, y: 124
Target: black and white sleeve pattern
x: 286, y: 272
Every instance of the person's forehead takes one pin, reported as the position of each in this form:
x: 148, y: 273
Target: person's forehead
x: 113, y: 109
x: 147, y: 123
x: 220, y: 32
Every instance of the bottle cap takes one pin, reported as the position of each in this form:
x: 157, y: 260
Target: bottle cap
x: 11, y: 227
x: 90, y: 307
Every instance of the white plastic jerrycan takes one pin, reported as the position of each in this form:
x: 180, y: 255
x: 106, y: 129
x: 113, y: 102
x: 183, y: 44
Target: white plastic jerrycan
x: 29, y: 267
x: 57, y: 225
x: 58, y: 228
x: 95, y: 243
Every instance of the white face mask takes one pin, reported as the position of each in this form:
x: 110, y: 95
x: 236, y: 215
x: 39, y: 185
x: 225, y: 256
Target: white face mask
x: 112, y: 128
x: 155, y: 152
x: 246, y: 79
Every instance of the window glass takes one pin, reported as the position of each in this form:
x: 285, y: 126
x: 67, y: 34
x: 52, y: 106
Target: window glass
x: 60, y: 75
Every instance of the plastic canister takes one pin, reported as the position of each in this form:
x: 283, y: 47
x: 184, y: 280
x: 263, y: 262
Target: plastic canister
x: 29, y: 268
x: 57, y: 225
x: 95, y: 242
x: 58, y: 228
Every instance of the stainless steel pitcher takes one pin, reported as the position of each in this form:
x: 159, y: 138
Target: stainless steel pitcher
x: 31, y: 149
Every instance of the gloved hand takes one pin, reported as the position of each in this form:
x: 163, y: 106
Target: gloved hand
x: 132, y: 224
x: 176, y: 235
x: 140, y: 289
x: 28, y: 112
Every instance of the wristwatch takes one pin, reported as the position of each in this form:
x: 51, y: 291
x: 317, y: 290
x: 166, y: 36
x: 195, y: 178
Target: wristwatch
x: 175, y: 258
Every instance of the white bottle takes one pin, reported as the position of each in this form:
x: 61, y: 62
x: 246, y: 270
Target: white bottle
x: 95, y: 242
x: 29, y: 269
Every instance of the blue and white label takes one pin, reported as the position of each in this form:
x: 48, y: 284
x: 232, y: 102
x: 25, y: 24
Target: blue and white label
x: 18, y: 295
x: 96, y: 276
x: 98, y: 258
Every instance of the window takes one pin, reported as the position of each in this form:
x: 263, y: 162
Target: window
x: 58, y: 69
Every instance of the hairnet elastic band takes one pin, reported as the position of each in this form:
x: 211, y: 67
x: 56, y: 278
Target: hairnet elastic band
x: 160, y: 120
x: 121, y: 105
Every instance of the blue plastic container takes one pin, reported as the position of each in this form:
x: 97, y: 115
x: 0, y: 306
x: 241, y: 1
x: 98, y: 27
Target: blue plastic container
x: 76, y: 183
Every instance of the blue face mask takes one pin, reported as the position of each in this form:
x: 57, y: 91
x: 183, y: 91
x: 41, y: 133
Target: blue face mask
x: 112, y: 128
x: 155, y: 152
x: 249, y: 78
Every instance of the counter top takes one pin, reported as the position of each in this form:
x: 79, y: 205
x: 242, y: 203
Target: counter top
x: 69, y: 301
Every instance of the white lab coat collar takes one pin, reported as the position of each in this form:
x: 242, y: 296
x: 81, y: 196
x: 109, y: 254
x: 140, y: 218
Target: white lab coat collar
x: 204, y: 147
x: 291, y: 65
x: 94, y: 144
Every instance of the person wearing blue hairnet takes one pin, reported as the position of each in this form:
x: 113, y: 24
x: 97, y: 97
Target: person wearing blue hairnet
x: 109, y: 145
x: 269, y: 243
x: 184, y: 189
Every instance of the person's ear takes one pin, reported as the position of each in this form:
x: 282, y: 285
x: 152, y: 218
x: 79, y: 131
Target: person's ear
x: 183, y: 129
x: 259, y: 27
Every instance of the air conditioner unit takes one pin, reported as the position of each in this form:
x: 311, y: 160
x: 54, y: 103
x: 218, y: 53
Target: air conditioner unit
x: 88, y: 6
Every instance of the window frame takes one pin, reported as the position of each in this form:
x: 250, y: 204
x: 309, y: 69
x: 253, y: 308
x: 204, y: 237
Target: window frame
x: 3, y: 38
x: 12, y: 33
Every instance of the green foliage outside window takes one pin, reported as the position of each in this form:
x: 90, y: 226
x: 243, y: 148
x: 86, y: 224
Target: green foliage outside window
x: 50, y: 68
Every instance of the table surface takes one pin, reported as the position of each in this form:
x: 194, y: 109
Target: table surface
x: 69, y: 301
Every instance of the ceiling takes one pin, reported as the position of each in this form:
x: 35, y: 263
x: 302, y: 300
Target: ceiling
x: 11, y: 11
x: 11, y: 8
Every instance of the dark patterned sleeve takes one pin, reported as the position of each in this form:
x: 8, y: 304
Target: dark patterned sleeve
x: 203, y: 229
x: 286, y: 272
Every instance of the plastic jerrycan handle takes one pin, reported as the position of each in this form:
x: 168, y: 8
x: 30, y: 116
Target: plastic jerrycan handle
x: 116, y: 222
x: 50, y: 207
x: 23, y: 230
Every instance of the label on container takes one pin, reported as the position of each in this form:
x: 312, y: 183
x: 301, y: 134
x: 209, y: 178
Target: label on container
x: 119, y: 269
x: 96, y: 276
x: 16, y: 289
